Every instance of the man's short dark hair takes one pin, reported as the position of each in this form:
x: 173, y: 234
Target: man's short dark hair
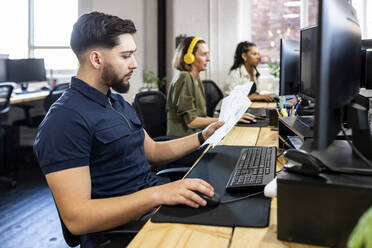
x: 97, y: 29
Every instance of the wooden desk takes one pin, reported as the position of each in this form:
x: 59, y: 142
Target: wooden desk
x: 29, y: 97
x: 183, y: 235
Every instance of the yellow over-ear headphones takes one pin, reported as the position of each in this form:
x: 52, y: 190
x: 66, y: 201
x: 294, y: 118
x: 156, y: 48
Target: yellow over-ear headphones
x: 189, y: 57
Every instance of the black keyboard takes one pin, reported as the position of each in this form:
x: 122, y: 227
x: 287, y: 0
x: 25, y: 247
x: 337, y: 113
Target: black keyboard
x: 254, y: 169
x: 307, y: 121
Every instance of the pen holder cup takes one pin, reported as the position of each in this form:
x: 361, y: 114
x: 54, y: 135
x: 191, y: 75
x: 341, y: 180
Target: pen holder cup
x: 273, y: 117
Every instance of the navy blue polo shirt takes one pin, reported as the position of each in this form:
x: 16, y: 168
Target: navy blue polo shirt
x: 84, y: 127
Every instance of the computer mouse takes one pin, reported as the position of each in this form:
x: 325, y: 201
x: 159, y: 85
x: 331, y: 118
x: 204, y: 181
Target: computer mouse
x: 302, y: 162
x: 211, y: 201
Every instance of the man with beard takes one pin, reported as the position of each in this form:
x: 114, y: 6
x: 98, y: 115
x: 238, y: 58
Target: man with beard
x: 91, y: 145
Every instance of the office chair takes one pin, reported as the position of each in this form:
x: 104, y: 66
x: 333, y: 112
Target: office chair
x: 150, y: 108
x: 5, y: 163
x: 213, y: 95
x: 34, y: 122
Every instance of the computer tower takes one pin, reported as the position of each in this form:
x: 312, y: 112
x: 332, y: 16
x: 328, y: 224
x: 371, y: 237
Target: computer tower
x: 321, y: 210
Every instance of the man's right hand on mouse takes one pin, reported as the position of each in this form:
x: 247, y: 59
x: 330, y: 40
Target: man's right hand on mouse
x: 247, y: 118
x: 181, y: 192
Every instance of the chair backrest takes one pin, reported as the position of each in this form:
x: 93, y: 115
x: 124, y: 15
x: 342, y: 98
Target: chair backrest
x: 5, y: 94
x: 54, y: 94
x: 150, y: 107
x: 70, y: 239
x: 213, y: 95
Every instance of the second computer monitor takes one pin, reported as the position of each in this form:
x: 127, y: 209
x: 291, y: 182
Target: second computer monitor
x: 289, y: 67
x: 308, y: 60
x: 3, y: 77
x: 366, y: 73
x: 26, y: 70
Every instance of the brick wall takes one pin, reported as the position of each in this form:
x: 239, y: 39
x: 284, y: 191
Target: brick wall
x: 269, y: 25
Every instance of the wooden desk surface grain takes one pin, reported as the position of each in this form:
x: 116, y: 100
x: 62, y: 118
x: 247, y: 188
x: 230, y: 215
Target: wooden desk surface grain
x: 183, y: 235
x: 29, y: 97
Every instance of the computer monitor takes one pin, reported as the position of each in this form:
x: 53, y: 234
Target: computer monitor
x: 289, y: 67
x: 25, y: 71
x: 3, y: 77
x: 337, y: 68
x: 366, y: 74
x: 308, y: 60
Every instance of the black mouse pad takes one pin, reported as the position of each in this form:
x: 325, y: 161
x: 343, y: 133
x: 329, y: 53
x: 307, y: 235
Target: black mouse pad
x: 260, y: 123
x: 215, y: 168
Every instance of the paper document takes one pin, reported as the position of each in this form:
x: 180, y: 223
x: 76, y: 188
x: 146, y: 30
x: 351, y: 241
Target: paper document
x: 232, y: 109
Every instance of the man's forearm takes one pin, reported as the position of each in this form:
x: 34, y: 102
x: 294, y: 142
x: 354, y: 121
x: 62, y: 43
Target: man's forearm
x: 174, y: 149
x: 96, y: 215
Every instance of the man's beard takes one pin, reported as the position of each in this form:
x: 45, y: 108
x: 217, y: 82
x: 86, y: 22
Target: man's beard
x: 112, y: 80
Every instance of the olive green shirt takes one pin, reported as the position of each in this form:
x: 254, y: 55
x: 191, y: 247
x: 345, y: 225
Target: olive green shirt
x: 185, y: 102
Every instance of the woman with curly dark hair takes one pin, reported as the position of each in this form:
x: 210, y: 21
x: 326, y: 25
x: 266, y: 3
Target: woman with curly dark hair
x: 244, y: 70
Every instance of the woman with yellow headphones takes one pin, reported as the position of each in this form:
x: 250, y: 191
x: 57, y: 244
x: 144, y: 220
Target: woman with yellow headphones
x: 186, y: 105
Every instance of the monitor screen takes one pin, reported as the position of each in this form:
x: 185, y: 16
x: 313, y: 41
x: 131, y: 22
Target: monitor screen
x: 338, y: 68
x: 289, y: 67
x: 26, y: 70
x: 3, y: 77
x: 308, y: 60
x: 366, y: 73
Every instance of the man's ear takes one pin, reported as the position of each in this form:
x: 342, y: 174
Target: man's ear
x: 95, y: 59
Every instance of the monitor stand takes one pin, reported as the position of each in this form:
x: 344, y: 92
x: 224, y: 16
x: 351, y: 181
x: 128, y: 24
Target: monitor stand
x: 339, y: 157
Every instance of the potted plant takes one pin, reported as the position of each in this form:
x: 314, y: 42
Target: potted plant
x: 274, y: 69
x: 151, y: 82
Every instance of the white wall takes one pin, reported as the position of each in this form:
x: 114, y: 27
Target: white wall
x: 144, y: 15
x: 221, y: 23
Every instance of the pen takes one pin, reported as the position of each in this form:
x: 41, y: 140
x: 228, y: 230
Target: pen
x: 298, y: 105
x: 292, y: 110
x: 261, y: 118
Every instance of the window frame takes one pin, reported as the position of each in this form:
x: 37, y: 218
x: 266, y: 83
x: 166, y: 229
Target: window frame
x: 31, y: 42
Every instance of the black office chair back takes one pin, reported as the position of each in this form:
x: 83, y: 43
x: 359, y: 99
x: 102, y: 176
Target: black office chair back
x: 54, y: 94
x: 150, y: 107
x: 5, y: 94
x: 70, y: 239
x: 213, y: 95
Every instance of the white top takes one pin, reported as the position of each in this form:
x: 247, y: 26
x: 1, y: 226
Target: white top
x: 238, y: 76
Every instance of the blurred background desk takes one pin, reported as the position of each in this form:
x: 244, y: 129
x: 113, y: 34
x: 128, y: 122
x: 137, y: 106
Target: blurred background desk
x: 29, y: 97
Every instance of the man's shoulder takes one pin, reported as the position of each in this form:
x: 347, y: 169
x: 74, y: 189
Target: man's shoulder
x: 69, y: 107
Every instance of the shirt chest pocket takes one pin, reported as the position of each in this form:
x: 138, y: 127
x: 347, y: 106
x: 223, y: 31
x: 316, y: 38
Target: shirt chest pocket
x: 113, y: 133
